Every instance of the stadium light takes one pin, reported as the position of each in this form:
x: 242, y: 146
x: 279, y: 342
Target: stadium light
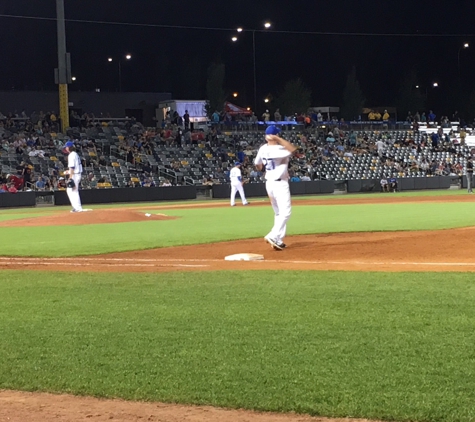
x: 119, y: 61
x: 240, y: 29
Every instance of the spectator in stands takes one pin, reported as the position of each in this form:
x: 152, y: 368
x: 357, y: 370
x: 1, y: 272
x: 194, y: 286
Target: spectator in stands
x: 469, y: 174
x: 381, y: 147
x: 266, y: 116
x: 241, y: 156
x: 392, y: 184
x: 187, y: 137
x: 306, y: 178
x: 463, y: 135
x: 432, y: 116
x: 102, y: 161
x: 148, y: 183
x: 12, y: 188
x: 186, y: 120
x: 330, y: 139
x: 215, y: 117
x: 207, y: 182
x: 277, y: 116
x: 130, y: 156
x: 386, y: 115
x: 166, y: 183
x: 40, y: 184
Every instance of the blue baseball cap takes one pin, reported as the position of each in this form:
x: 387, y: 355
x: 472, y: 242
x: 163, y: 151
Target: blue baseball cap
x: 272, y: 130
x: 237, y: 163
x: 69, y: 144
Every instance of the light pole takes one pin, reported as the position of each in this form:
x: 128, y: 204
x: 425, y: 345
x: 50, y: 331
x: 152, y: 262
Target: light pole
x: 464, y: 46
x: 110, y: 60
x: 267, y: 25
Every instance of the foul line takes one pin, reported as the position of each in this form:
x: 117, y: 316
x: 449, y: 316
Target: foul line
x: 174, y: 262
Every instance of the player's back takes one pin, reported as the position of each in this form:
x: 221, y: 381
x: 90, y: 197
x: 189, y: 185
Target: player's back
x: 275, y: 159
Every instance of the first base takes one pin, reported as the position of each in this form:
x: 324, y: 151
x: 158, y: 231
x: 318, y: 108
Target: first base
x: 244, y: 257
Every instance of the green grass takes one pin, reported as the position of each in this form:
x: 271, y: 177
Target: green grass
x: 389, y: 346
x: 220, y: 224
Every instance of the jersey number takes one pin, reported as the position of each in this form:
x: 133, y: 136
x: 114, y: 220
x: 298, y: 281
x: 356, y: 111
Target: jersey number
x: 269, y: 164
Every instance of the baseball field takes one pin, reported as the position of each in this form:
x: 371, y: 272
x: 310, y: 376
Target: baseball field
x: 131, y: 313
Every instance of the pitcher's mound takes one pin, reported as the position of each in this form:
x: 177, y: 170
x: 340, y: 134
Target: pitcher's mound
x: 106, y: 216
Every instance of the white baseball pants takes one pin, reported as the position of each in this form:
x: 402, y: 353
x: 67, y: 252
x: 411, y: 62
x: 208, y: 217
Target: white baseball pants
x: 240, y: 189
x: 73, y: 193
x: 279, y: 195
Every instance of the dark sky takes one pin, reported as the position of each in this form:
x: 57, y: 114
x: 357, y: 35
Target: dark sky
x: 175, y: 60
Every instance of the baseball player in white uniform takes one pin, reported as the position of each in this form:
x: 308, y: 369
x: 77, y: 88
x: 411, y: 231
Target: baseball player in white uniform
x: 274, y: 158
x: 74, y: 171
x: 237, y: 184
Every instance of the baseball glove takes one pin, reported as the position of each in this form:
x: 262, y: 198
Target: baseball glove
x: 70, y: 183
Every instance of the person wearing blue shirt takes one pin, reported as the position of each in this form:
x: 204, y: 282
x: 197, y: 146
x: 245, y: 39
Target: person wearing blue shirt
x: 215, y: 117
x: 330, y: 138
x: 392, y: 184
x: 40, y: 183
x: 241, y: 156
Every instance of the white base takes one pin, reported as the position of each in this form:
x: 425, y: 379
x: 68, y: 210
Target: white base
x: 244, y: 257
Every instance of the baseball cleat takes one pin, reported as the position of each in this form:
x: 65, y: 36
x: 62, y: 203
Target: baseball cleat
x: 276, y: 246
x: 247, y: 203
x: 75, y: 211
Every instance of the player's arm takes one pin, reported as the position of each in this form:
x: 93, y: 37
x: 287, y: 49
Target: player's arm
x: 258, y: 161
x: 282, y: 142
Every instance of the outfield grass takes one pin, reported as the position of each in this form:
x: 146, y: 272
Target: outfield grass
x: 379, y: 345
x: 208, y: 225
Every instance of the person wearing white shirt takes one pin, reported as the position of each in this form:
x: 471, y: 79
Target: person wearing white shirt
x: 274, y: 157
x: 237, y: 184
x: 381, y: 147
x: 74, y: 171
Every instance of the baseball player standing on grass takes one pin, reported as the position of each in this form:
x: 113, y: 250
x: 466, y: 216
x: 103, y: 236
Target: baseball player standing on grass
x: 237, y: 184
x: 74, y: 171
x: 274, y: 158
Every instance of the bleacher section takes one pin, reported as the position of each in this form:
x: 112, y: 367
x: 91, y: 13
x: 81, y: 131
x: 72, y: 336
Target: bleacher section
x: 190, y: 164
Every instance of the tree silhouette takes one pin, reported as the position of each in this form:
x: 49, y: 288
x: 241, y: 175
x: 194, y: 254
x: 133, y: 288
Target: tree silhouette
x: 353, y: 98
x: 296, y: 97
x: 410, y: 98
x: 215, y: 88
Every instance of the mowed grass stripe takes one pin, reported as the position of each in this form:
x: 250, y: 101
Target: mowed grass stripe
x: 377, y: 345
x: 209, y: 225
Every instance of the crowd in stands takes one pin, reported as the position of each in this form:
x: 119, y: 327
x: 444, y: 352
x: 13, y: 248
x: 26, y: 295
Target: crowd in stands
x: 126, y: 154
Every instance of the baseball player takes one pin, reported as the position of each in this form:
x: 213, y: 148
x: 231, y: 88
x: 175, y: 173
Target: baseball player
x: 74, y: 171
x: 274, y: 158
x: 236, y: 184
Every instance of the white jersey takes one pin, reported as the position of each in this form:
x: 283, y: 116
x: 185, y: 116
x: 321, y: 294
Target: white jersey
x: 235, y: 176
x: 275, y: 159
x: 74, y: 162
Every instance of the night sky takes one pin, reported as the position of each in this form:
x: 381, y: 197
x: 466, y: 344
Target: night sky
x: 176, y: 60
